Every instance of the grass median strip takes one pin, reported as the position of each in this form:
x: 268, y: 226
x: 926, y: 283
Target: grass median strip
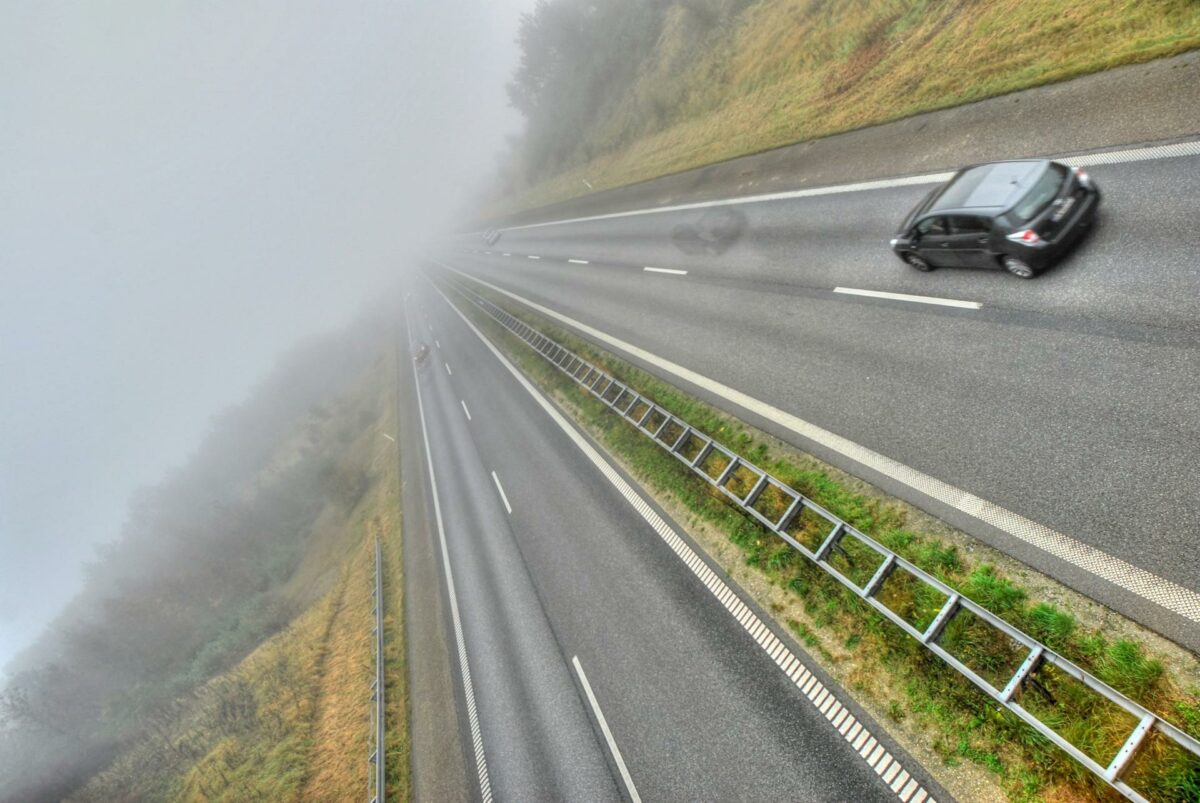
x: 932, y: 705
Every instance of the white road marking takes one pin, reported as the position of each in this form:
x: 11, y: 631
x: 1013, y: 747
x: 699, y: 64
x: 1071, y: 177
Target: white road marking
x: 508, y: 255
x: 489, y: 253
x: 532, y: 256
x: 436, y: 343
x: 612, y: 743
x: 579, y: 261
x: 500, y: 488
x: 944, y: 302
x: 448, y: 371
x: 465, y: 410
x: 485, y: 784
x: 665, y: 270
x: 1086, y: 160
x: 1120, y: 573
x: 710, y: 579
x: 389, y: 437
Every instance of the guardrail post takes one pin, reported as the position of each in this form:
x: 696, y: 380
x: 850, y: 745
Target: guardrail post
x: 377, y: 758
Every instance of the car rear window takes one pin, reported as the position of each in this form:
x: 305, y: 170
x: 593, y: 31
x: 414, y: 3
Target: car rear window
x: 1043, y: 191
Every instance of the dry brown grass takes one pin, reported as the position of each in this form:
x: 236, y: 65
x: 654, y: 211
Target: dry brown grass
x: 337, y: 767
x: 793, y: 70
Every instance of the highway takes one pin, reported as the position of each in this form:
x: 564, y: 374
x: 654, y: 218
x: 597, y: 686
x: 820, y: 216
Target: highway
x: 1070, y: 400
x: 585, y: 634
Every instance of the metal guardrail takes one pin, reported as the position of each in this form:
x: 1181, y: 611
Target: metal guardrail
x: 721, y: 467
x: 376, y: 760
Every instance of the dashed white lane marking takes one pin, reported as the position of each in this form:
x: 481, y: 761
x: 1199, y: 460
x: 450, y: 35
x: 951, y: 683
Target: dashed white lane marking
x: 465, y: 410
x: 579, y: 261
x: 532, y: 256
x: 503, y: 496
x: 1149, y: 153
x: 608, y: 737
x: 437, y: 343
x: 665, y: 270
x: 710, y: 579
x: 448, y: 371
x: 508, y: 255
x: 1148, y: 586
x: 944, y: 302
x: 485, y: 783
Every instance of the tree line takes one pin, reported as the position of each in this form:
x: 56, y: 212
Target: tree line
x: 580, y: 60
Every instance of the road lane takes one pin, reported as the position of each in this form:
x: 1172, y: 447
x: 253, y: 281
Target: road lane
x: 1089, y: 434
x: 1139, y: 265
x: 697, y: 709
x: 536, y: 735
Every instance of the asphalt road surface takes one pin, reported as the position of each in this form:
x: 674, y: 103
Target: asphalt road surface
x: 552, y: 565
x: 1072, y: 400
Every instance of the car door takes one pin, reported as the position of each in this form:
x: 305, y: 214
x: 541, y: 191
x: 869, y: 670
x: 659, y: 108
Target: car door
x: 933, y: 242
x: 968, y: 240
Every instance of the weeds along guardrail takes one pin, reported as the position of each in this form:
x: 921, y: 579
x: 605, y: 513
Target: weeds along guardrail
x: 940, y: 618
x: 376, y: 759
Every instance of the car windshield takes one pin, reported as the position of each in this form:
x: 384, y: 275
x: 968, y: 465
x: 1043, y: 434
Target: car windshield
x: 1043, y: 191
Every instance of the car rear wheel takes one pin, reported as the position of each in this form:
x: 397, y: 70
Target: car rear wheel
x: 1018, y: 268
x: 918, y: 263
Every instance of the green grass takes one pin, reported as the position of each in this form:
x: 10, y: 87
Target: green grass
x: 879, y: 658
x: 785, y: 71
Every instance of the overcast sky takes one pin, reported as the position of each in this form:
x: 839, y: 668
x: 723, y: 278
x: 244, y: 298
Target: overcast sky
x: 186, y: 188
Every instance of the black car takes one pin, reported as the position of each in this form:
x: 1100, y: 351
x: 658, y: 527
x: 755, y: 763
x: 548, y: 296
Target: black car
x: 1020, y: 216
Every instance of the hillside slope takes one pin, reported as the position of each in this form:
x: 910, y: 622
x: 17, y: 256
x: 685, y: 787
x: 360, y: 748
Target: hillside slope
x: 291, y: 720
x: 717, y: 79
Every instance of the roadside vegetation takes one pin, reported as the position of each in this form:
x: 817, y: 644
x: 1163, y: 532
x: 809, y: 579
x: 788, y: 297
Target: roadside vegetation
x: 627, y: 90
x: 221, y: 649
x: 936, y: 711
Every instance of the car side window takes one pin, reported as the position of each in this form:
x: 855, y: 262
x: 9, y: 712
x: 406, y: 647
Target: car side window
x: 968, y: 224
x: 932, y: 225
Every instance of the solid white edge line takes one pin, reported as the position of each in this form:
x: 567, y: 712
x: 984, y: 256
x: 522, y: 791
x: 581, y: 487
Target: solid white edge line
x: 503, y: 496
x: 1120, y: 573
x: 928, y: 178
x: 681, y: 549
x: 1123, y: 156
x: 465, y: 410
x: 672, y: 271
x: 608, y: 737
x: 485, y: 784
x: 579, y: 261
x: 945, y: 302
x: 448, y: 371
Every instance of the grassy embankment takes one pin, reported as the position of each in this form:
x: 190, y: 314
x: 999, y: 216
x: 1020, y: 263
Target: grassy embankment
x: 291, y: 721
x: 936, y: 711
x: 786, y: 71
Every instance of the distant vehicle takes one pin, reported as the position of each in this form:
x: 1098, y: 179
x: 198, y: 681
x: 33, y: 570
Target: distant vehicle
x: 1021, y: 216
x: 421, y: 355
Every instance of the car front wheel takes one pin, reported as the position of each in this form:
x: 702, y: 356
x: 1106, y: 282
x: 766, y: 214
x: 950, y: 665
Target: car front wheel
x: 1018, y: 268
x: 918, y: 263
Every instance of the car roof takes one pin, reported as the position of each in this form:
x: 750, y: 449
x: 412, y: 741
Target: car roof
x: 988, y: 189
